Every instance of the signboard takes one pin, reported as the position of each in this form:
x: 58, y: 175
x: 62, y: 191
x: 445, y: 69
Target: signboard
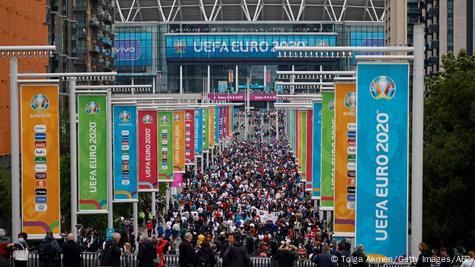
x: 189, y: 137
x: 242, y: 97
x: 40, y: 160
x: 317, y: 138
x: 92, y: 153
x: 328, y: 150
x: 345, y: 160
x: 179, y: 141
x: 212, y: 126
x: 239, y: 46
x: 206, y: 130
x: 222, y: 86
x: 383, y: 159
x: 165, y: 146
x: 309, y: 151
x: 303, y: 144
x: 147, y: 141
x: 198, y: 132
x: 125, y: 153
x: 133, y: 49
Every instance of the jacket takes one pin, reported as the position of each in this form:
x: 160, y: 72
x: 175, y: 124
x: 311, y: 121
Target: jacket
x: 187, y: 254
x: 146, y: 254
x: 71, y: 254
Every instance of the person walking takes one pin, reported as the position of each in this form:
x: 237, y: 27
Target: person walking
x: 187, y: 254
x: 424, y: 259
x: 235, y: 256
x: 359, y: 257
x: 49, y: 251
x: 160, y: 246
x: 146, y: 255
x: 20, y: 250
x: 71, y: 252
x: 325, y: 259
x: 205, y: 256
x: 110, y: 256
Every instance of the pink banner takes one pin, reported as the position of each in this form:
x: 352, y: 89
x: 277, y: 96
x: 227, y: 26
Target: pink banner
x: 177, y: 179
x: 242, y: 97
x: 147, y: 150
x: 189, y: 137
x: 225, y: 122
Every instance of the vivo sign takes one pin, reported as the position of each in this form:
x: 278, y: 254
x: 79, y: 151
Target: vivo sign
x: 238, y: 46
x: 133, y: 49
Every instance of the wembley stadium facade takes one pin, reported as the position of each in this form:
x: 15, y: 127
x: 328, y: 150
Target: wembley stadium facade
x: 218, y: 46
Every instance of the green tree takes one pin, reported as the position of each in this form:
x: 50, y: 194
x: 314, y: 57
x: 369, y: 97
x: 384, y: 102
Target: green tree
x: 449, y: 146
x: 5, y: 192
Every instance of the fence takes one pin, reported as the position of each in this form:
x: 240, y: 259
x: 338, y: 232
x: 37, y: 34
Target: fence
x: 91, y: 259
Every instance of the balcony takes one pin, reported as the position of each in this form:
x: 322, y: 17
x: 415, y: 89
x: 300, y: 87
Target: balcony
x: 432, y: 61
x: 433, y: 28
x: 433, y: 12
x: 433, y: 45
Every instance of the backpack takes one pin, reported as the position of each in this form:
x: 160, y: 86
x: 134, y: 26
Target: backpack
x: 203, y: 258
x: 47, y: 252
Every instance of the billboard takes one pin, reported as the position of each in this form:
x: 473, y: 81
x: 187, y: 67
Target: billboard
x: 309, y: 151
x: 317, y: 126
x: 133, y: 49
x: 198, y: 132
x: 40, y: 160
x: 147, y: 150
x: 92, y: 152
x: 383, y: 159
x: 125, y: 153
x: 189, y: 137
x: 345, y: 160
x: 239, y: 46
x: 179, y: 141
x: 328, y: 150
x: 165, y: 146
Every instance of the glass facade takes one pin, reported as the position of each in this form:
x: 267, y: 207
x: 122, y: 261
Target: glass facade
x: 163, y: 51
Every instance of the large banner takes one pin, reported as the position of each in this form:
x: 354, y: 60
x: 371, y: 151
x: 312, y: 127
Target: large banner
x: 125, y: 153
x: 165, y: 146
x: 230, y: 121
x: 298, y: 143
x: 133, y: 48
x: 218, y: 124
x: 205, y: 130
x: 179, y: 141
x: 345, y: 161
x: 309, y: 151
x: 189, y: 137
x: 328, y: 150
x: 317, y: 135
x: 40, y: 160
x: 199, y: 132
x: 147, y: 135
x: 92, y: 153
x: 303, y: 144
x: 383, y: 159
x: 212, y: 126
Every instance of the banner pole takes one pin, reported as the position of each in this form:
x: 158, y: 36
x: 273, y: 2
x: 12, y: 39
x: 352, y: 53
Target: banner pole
x: 417, y: 138
x: 73, y: 157
x: 276, y: 125
x: 15, y: 149
x: 110, y: 214
x: 136, y: 225
x: 154, y: 206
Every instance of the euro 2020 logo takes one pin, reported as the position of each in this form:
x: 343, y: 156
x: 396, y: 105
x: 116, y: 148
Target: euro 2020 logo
x: 92, y: 108
x: 180, y: 47
x: 382, y: 87
x: 350, y: 100
x: 124, y: 116
x: 147, y: 119
x: 39, y: 102
x: 331, y: 104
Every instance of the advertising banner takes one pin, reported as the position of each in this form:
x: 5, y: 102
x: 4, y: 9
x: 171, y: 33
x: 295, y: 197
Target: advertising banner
x: 189, y: 137
x: 298, y: 137
x: 133, y: 49
x: 218, y: 121
x: 242, y: 97
x: 383, y: 159
x: 147, y: 150
x: 125, y: 153
x: 212, y: 126
x: 328, y: 150
x: 236, y: 46
x: 206, y: 130
x: 165, y: 146
x: 199, y: 132
x: 292, y: 128
x: 317, y: 148
x: 179, y: 141
x: 92, y: 153
x: 40, y: 160
x: 309, y: 151
x: 177, y: 179
x: 230, y: 121
x: 345, y: 161
x: 303, y: 144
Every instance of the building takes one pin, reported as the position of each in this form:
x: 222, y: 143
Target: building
x: 396, y: 26
x: 82, y: 33
x: 22, y: 22
x: 222, y: 46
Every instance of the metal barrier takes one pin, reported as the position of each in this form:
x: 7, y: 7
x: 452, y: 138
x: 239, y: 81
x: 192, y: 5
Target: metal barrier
x: 92, y: 259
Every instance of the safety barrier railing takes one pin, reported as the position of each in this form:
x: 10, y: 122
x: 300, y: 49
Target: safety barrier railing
x: 92, y: 259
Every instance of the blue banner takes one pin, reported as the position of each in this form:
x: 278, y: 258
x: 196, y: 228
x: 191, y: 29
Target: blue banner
x: 133, y: 49
x: 316, y: 156
x: 382, y: 159
x: 125, y: 153
x: 239, y: 46
x: 198, y: 132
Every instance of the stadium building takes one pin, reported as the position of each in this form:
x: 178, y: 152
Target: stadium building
x: 216, y: 46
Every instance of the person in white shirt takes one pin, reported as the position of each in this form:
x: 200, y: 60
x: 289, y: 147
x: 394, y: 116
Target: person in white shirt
x: 470, y: 262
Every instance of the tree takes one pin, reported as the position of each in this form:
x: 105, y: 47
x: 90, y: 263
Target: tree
x: 449, y: 159
x: 5, y: 192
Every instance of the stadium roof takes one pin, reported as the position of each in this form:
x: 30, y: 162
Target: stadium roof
x: 249, y: 10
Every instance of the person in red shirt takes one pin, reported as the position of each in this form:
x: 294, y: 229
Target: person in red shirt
x: 160, y: 246
x: 149, y: 228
